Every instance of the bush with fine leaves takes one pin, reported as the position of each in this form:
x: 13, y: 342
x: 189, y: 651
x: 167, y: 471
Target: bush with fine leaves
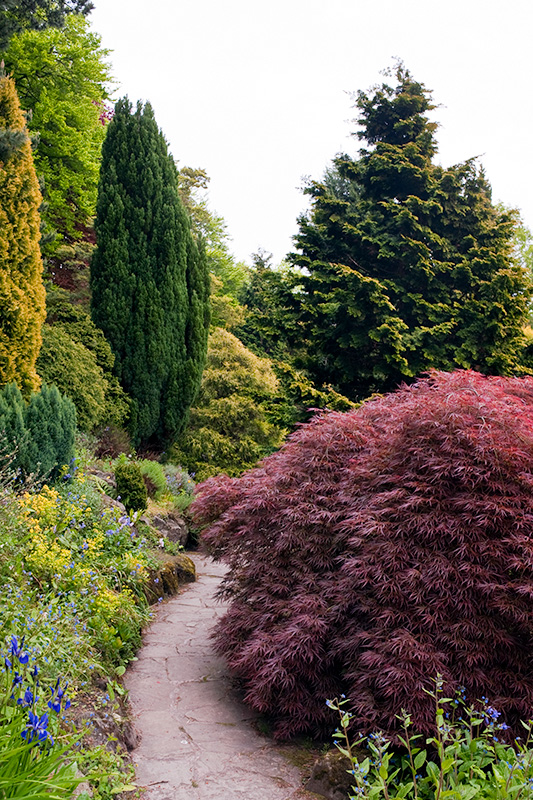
x: 379, y: 548
x: 229, y: 428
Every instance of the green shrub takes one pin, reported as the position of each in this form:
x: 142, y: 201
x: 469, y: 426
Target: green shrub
x: 74, y: 370
x: 78, y: 325
x: 51, y: 425
x: 130, y: 485
x: 154, y: 474
x: 229, y: 429
x: 38, y: 436
x: 467, y: 756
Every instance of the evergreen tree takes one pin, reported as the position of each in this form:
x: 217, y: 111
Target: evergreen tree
x: 406, y: 265
x: 22, y: 295
x: 37, y: 437
x: 17, y: 15
x: 149, y: 280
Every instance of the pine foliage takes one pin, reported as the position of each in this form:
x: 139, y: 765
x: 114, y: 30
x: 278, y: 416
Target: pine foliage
x: 149, y: 280
x: 407, y: 266
x: 379, y: 548
x: 22, y: 295
x: 38, y: 437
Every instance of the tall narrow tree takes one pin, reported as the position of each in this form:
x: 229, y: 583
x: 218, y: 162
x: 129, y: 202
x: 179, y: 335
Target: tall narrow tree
x: 22, y: 295
x: 149, y: 280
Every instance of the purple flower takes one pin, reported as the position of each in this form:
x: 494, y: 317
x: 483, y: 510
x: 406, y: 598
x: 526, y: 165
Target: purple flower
x: 17, y: 650
x: 37, y: 728
x: 58, y: 698
x: 26, y: 699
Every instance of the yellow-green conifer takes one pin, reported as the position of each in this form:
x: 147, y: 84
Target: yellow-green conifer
x: 22, y: 295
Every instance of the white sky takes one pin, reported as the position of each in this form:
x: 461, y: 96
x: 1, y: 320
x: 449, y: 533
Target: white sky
x: 256, y: 93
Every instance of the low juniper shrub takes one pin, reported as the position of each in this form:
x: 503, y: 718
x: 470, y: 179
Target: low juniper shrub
x: 130, y: 485
x: 378, y: 548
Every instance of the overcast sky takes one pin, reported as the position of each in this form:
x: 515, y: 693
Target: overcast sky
x: 258, y: 94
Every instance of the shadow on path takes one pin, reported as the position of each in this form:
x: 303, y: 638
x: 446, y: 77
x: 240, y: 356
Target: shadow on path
x: 197, y: 737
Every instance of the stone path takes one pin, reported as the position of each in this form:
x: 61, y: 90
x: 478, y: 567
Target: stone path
x: 197, y: 739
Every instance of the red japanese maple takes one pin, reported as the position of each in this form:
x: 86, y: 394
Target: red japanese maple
x: 379, y: 548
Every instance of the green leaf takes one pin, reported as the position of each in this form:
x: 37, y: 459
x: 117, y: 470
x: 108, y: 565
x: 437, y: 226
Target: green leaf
x: 420, y: 759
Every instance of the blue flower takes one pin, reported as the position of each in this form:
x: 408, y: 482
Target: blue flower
x: 27, y: 699
x: 37, y: 728
x: 58, y: 696
x: 17, y: 651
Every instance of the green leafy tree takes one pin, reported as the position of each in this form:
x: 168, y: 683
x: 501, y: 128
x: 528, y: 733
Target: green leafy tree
x: 62, y: 78
x: 212, y: 230
x: 406, y: 265
x: 22, y: 294
x: 230, y: 426
x: 17, y: 15
x: 149, y: 279
x: 271, y: 327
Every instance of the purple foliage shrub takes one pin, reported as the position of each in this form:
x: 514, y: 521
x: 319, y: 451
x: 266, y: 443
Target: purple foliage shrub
x: 380, y: 547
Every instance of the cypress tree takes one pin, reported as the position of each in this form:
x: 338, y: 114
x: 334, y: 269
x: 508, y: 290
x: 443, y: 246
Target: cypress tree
x: 22, y: 295
x: 407, y: 266
x: 149, y: 280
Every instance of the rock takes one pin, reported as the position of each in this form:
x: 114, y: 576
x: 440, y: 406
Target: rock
x: 102, y: 477
x: 82, y: 788
x: 185, y: 569
x: 111, y: 503
x: 329, y: 776
x: 173, y: 527
x: 166, y: 580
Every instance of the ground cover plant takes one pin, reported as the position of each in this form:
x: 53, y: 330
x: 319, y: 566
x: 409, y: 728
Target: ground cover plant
x: 379, y: 548
x: 35, y: 762
x: 72, y: 577
x: 465, y: 758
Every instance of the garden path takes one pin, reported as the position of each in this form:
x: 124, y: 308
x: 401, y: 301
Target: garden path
x: 198, y: 740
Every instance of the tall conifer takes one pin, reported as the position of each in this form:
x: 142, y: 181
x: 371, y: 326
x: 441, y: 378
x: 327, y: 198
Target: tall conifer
x: 22, y: 295
x: 407, y: 266
x: 149, y: 280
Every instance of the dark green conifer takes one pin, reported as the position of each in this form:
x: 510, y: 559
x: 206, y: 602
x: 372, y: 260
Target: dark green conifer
x: 407, y: 266
x: 37, y: 437
x: 149, y: 280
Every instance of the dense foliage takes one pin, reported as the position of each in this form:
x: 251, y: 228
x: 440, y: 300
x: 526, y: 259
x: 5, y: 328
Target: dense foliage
x: 465, y: 757
x: 406, y: 265
x: 71, y: 367
x: 36, y: 438
x: 17, y: 15
x: 22, y: 295
x: 379, y: 548
x: 131, y: 488
x: 229, y: 428
x: 76, y: 356
x: 150, y: 284
x: 61, y: 77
